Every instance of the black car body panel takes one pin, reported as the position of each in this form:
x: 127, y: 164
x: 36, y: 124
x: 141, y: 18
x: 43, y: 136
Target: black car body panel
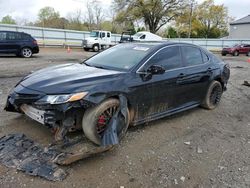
x: 12, y: 42
x: 149, y: 96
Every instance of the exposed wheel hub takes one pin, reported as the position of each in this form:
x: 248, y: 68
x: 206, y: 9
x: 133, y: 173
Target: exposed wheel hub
x: 104, y: 119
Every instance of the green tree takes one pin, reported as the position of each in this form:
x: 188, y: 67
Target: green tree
x: 171, y: 33
x: 213, y: 19
x: 48, y: 17
x: 206, y: 21
x: 8, y: 20
x: 154, y: 13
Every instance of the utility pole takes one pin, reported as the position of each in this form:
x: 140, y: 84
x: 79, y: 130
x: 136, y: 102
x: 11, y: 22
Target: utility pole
x: 190, y: 17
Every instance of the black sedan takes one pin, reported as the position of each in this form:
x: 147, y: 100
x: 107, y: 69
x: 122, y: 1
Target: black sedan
x: 156, y: 79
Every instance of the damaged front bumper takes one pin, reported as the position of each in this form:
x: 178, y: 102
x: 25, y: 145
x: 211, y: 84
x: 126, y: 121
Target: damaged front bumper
x: 67, y: 116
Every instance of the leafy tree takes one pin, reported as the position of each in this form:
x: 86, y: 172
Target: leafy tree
x: 212, y: 18
x: 8, y: 20
x: 207, y: 21
x: 154, y: 13
x: 171, y: 33
x: 48, y: 17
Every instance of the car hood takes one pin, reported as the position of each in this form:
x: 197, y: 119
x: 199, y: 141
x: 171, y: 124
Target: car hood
x: 68, y: 78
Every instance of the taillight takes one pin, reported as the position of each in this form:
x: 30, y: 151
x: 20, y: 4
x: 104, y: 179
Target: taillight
x: 34, y: 42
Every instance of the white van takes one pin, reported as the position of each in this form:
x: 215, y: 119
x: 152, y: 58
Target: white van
x: 146, y: 36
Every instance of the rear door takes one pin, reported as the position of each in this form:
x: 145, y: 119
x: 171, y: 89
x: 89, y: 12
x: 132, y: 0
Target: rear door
x: 14, y: 41
x: 247, y: 48
x: 3, y: 42
x: 199, y: 70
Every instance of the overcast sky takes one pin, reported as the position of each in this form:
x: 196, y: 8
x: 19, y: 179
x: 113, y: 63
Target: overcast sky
x: 27, y: 9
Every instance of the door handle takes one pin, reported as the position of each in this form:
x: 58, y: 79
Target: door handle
x: 209, y: 69
x: 181, y: 75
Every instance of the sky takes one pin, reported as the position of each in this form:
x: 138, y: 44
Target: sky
x: 27, y: 10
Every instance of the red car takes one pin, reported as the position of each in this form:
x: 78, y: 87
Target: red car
x: 236, y: 49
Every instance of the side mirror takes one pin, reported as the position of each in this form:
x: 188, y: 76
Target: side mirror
x: 156, y: 69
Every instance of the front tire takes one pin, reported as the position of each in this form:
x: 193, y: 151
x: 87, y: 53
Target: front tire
x: 96, y: 48
x: 26, y: 52
x: 96, y: 120
x: 213, y: 96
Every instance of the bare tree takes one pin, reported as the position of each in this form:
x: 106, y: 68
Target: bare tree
x: 95, y: 14
x: 75, y: 20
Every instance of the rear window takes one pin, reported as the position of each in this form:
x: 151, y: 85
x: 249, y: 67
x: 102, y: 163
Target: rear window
x: 204, y: 57
x: 25, y: 36
x: 192, y: 55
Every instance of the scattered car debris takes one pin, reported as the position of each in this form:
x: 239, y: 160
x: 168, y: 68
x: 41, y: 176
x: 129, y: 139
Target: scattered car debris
x: 175, y: 182
x: 238, y: 67
x: 182, y: 178
x: 20, y: 152
x: 187, y: 143
x: 246, y: 83
x: 199, y: 150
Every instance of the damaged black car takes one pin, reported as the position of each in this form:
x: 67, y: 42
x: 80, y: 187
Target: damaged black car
x: 153, y: 80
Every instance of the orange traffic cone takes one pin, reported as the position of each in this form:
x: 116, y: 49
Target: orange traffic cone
x: 68, y: 50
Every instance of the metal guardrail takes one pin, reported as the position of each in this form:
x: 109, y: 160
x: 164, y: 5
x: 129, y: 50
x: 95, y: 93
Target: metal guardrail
x: 63, y: 37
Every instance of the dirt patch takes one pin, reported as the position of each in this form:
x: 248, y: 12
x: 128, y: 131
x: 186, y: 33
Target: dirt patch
x: 153, y: 154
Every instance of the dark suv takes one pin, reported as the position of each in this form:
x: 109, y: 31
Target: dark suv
x: 19, y: 43
x: 236, y: 49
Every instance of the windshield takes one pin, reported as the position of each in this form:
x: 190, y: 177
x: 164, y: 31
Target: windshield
x: 233, y: 45
x: 94, y: 34
x: 137, y: 35
x: 121, y: 57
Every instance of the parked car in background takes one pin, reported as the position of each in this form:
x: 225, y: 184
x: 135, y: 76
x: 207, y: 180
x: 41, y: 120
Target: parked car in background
x: 156, y: 79
x: 237, y: 49
x: 19, y: 43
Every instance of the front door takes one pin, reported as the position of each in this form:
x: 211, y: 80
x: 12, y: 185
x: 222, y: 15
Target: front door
x: 156, y: 94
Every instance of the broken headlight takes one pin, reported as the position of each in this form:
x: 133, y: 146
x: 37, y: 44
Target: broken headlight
x: 59, y: 99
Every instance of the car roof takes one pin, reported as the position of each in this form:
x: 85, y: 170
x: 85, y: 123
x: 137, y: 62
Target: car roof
x: 14, y: 32
x: 159, y: 44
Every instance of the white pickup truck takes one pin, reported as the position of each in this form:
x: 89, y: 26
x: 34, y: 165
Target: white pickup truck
x: 102, y: 39
x: 97, y: 40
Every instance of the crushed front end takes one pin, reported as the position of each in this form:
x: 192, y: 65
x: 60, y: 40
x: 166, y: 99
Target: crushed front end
x: 61, y: 113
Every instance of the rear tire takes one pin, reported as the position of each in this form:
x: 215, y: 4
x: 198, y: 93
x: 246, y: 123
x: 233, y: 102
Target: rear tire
x: 236, y: 53
x: 213, y: 96
x: 26, y: 52
x: 92, y: 116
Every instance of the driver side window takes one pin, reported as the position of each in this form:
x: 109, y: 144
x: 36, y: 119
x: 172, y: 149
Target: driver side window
x: 169, y: 58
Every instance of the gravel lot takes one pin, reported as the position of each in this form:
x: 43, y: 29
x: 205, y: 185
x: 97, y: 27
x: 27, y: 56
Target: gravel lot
x: 196, y: 148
